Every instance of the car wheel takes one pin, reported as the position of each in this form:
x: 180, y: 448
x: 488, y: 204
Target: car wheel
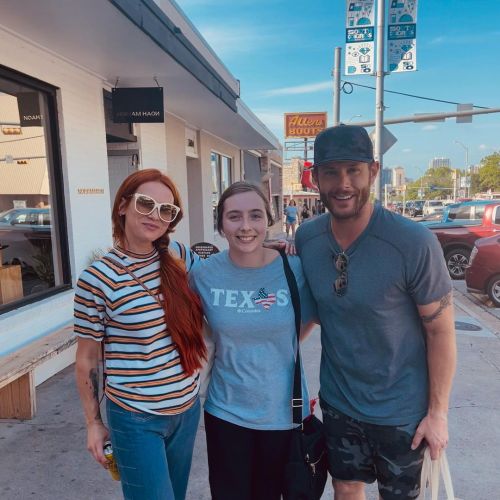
x: 456, y: 262
x: 493, y: 290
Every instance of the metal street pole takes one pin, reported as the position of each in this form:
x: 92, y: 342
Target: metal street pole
x: 379, y: 103
x: 336, y: 86
x: 467, y: 176
x: 429, y: 117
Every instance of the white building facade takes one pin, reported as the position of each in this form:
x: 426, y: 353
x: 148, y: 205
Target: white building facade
x: 61, y: 164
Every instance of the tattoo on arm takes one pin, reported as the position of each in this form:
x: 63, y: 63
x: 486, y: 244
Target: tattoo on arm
x: 94, y: 381
x: 443, y: 304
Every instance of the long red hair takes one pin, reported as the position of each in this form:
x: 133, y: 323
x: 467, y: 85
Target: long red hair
x: 183, y: 312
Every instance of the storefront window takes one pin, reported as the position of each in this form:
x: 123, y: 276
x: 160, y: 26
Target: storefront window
x: 221, y: 179
x: 33, y: 253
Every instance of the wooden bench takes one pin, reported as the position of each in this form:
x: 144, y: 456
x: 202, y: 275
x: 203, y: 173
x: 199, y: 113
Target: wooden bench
x: 17, y: 385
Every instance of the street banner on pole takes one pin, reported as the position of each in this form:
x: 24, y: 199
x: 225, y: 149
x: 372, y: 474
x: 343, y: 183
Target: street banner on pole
x: 359, y: 37
x: 402, y: 36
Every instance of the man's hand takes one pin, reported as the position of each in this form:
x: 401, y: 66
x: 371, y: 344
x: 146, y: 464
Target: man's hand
x: 288, y: 246
x: 97, y: 434
x: 434, y: 429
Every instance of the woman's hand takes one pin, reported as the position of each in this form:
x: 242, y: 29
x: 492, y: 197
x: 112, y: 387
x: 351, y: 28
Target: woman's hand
x: 288, y: 246
x: 97, y: 434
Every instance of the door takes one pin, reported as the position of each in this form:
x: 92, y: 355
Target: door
x: 119, y: 168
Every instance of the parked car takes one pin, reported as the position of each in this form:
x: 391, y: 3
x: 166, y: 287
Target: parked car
x: 26, y: 217
x: 432, y: 207
x: 483, y: 273
x: 24, y: 232
x: 457, y: 241
x: 416, y: 208
x: 465, y: 213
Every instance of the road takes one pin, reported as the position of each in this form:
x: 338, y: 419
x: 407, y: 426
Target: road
x: 45, y: 458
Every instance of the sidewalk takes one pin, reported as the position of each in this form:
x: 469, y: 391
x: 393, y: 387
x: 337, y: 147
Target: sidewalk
x: 45, y: 458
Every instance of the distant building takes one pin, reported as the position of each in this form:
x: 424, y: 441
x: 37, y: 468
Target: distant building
x: 386, y: 176
x: 291, y: 176
x: 398, y: 177
x: 440, y: 162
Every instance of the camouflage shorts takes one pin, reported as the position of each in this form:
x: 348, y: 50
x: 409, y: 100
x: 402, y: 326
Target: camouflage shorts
x: 358, y: 451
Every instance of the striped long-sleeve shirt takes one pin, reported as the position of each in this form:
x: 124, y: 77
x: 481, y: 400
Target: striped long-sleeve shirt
x: 143, y: 369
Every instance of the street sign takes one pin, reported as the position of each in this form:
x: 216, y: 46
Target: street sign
x: 464, y: 107
x: 388, y: 140
x: 360, y: 36
x: 402, y: 36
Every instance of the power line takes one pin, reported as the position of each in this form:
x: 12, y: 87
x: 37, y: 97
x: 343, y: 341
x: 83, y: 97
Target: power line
x: 345, y: 82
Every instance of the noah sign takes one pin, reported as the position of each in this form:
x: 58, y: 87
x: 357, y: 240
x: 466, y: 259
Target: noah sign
x: 29, y: 109
x: 137, y: 105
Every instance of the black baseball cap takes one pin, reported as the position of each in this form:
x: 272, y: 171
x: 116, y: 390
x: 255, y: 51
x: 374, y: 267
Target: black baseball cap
x: 343, y: 143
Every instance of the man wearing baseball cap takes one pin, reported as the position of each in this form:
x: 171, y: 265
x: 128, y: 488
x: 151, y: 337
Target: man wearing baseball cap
x: 388, y: 342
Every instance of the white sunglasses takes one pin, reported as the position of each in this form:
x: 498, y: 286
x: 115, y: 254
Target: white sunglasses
x: 145, y: 205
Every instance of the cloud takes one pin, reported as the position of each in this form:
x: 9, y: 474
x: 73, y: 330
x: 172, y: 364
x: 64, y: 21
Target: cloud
x: 227, y: 41
x: 429, y: 127
x: 308, y: 88
x: 438, y: 40
x: 463, y: 39
x: 407, y: 150
x: 272, y: 118
x: 482, y: 147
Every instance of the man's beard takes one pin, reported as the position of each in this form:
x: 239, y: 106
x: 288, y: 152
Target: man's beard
x: 362, y: 197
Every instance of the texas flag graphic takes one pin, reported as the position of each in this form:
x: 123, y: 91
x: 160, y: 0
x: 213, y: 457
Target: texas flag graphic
x: 264, y: 298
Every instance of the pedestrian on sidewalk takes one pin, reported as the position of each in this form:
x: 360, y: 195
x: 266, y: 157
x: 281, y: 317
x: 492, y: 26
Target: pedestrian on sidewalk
x: 384, y: 301
x: 291, y: 213
x: 135, y: 303
x: 247, y: 303
x: 305, y: 214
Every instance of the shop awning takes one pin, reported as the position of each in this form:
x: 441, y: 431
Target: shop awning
x: 135, y: 41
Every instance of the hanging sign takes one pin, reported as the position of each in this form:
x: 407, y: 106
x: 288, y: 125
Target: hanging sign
x: 28, y: 104
x: 137, y: 105
x: 360, y: 37
x: 402, y: 36
x: 304, y: 125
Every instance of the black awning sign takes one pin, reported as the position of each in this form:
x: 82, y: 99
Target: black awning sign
x: 29, y: 109
x: 138, y: 105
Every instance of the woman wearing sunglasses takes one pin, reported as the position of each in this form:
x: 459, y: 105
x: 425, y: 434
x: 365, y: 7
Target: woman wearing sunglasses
x: 246, y: 300
x: 135, y: 304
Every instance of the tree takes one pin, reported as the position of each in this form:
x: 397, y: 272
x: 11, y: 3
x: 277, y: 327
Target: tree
x: 489, y: 173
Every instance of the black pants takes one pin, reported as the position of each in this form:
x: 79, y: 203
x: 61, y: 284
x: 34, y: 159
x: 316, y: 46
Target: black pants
x: 245, y: 464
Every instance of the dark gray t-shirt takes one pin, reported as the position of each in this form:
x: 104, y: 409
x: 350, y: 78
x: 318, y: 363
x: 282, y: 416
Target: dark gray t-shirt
x: 373, y: 361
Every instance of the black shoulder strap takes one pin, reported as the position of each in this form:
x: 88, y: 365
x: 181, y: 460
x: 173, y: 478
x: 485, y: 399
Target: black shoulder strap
x: 297, y: 402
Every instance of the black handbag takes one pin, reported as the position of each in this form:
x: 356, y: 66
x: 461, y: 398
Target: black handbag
x: 306, y: 469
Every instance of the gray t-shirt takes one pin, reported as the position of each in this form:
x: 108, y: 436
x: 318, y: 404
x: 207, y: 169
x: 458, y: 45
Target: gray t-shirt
x: 251, y: 317
x: 373, y: 361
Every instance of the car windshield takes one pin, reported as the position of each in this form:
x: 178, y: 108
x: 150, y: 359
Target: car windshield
x: 435, y: 203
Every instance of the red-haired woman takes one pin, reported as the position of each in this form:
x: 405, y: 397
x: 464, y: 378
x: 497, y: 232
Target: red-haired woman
x: 136, y: 303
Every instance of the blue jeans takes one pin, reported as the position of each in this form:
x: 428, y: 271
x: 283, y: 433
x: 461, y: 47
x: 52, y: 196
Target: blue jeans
x: 153, y: 452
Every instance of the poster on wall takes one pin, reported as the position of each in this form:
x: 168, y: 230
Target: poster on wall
x: 402, y: 36
x: 360, y: 37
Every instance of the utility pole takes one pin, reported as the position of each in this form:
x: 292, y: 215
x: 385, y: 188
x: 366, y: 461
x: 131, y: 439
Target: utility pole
x: 467, y: 173
x: 336, y: 86
x: 379, y: 103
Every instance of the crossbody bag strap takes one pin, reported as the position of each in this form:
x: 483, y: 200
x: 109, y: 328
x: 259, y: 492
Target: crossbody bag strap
x: 297, y: 401
x: 136, y: 278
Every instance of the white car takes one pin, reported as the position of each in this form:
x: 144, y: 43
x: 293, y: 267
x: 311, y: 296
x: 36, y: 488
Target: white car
x: 432, y: 207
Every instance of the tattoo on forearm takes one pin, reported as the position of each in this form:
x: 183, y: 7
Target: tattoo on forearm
x: 443, y: 304
x: 94, y: 381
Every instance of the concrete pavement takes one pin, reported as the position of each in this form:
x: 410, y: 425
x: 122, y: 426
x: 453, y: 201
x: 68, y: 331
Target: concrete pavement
x: 45, y: 458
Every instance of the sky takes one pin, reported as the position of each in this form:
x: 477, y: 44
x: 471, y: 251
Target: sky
x: 282, y: 53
